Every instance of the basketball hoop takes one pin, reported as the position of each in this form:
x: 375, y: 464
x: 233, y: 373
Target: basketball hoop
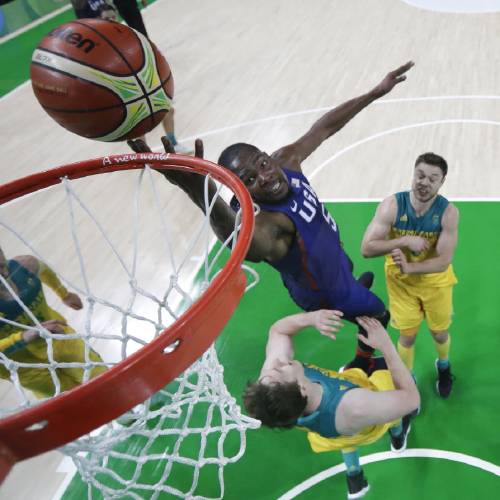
x: 54, y: 422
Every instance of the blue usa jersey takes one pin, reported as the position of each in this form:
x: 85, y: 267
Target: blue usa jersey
x: 316, y: 270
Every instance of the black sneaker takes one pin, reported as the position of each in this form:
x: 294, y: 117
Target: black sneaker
x: 366, y: 279
x: 357, y: 485
x: 398, y: 443
x: 444, y: 383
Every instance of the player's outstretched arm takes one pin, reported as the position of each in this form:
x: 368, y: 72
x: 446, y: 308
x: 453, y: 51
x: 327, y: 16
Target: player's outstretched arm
x: 330, y: 123
x: 279, y: 343
x: 266, y: 241
x: 361, y: 408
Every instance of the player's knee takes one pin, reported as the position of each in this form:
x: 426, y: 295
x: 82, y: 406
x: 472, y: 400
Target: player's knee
x: 407, y: 337
x: 440, y: 336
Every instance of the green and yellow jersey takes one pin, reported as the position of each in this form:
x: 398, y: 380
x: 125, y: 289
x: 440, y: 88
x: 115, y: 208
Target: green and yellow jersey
x: 427, y: 226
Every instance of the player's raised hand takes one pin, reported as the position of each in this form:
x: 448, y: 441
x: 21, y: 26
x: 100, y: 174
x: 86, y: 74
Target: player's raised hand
x: 138, y: 146
x: 53, y: 326
x: 376, y: 335
x: 328, y: 322
x: 392, y: 79
x: 198, y: 148
x: 72, y: 300
x: 167, y: 145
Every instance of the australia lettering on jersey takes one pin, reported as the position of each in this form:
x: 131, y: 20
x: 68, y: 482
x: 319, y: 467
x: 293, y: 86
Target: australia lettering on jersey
x: 429, y: 235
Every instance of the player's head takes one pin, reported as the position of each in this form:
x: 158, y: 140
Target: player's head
x: 276, y: 404
x: 261, y: 174
x: 428, y: 176
x: 278, y: 398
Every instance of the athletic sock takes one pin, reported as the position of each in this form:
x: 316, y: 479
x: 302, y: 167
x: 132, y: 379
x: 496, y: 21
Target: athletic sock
x: 443, y: 351
x: 397, y: 429
x: 407, y: 355
x: 351, y: 460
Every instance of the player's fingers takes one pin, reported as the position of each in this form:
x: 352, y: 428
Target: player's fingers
x: 361, y: 320
x: 334, y: 327
x: 138, y: 146
x: 198, y: 148
x: 167, y: 145
x: 404, y: 68
x: 329, y: 335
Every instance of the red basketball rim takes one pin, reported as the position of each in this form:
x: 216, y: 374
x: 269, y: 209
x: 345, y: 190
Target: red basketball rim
x: 74, y: 413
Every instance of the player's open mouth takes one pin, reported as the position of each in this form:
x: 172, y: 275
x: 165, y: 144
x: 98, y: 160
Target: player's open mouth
x: 276, y: 187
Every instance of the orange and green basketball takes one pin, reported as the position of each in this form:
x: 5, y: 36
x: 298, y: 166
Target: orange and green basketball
x: 101, y: 80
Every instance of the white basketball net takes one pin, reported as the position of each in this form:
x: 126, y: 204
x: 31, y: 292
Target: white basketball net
x: 135, y: 279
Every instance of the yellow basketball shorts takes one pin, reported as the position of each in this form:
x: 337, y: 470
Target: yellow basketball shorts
x: 38, y: 379
x: 381, y: 380
x: 411, y: 304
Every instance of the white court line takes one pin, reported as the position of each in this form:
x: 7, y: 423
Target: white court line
x: 399, y: 129
x: 457, y: 6
x: 389, y: 455
x: 68, y: 467
x: 40, y: 20
x: 378, y: 200
x: 328, y: 108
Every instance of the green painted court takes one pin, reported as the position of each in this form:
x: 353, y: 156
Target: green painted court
x: 463, y: 430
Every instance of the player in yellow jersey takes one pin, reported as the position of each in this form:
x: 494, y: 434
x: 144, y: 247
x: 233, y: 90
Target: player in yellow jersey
x: 417, y: 231
x: 24, y: 275
x: 340, y: 411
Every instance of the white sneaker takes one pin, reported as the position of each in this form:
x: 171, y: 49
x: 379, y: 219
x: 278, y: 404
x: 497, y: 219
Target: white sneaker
x: 180, y: 149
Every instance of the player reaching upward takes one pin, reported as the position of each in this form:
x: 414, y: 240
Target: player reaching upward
x: 340, y: 411
x: 294, y: 233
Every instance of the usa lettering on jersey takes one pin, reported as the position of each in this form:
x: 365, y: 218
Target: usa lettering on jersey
x: 310, y: 204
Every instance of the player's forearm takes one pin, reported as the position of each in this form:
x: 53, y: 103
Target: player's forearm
x: 48, y: 276
x: 291, y: 325
x: 401, y: 376
x: 376, y: 248
x: 434, y: 265
x: 222, y: 218
x: 335, y: 119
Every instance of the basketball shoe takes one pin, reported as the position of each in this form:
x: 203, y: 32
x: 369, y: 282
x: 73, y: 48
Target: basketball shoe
x: 357, y: 485
x: 444, y: 383
x: 398, y: 443
x: 366, y: 279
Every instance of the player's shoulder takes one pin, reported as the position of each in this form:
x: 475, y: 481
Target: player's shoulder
x: 288, y: 157
x: 28, y: 261
x: 451, y: 213
x: 388, y: 207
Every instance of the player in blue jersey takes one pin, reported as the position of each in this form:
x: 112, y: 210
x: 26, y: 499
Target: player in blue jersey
x: 339, y: 411
x: 417, y: 231
x: 294, y: 233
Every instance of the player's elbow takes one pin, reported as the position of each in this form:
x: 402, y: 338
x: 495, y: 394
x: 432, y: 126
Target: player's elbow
x: 366, y: 250
x: 442, y: 265
x: 412, y: 399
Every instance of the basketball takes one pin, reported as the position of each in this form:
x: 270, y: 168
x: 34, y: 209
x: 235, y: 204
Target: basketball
x: 101, y: 80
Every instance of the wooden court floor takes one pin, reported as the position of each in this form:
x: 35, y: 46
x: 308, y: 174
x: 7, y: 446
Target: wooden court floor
x: 262, y: 72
